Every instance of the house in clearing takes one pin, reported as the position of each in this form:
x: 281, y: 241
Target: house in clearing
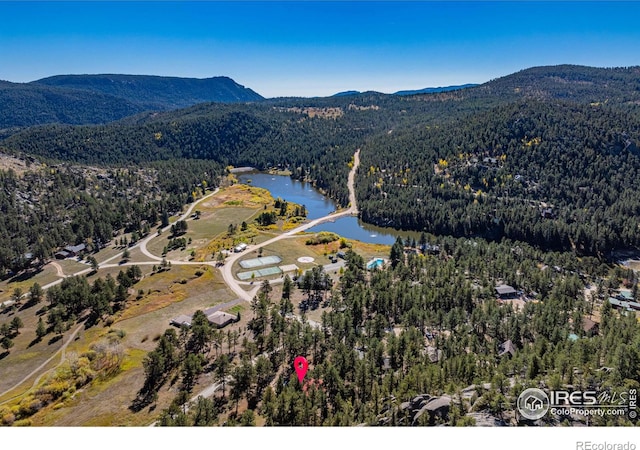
x: 590, y: 327
x: 75, y: 250
x: 240, y: 247
x: 218, y: 319
x: 505, y: 292
x: 70, y: 251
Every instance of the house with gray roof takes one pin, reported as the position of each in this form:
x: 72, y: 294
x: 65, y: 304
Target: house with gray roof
x: 505, y: 292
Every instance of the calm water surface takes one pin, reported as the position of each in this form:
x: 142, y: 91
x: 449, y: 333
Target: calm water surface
x: 318, y: 205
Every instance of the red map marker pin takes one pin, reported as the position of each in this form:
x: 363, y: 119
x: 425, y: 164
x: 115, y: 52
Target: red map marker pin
x: 301, y: 365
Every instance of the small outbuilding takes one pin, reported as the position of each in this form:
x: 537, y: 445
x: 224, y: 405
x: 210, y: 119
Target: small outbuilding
x: 240, y: 247
x: 181, y: 320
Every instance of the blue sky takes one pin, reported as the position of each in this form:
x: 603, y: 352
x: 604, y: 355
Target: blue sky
x: 314, y: 48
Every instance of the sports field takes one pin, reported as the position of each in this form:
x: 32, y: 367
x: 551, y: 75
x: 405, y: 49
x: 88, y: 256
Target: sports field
x: 259, y: 273
x: 258, y: 262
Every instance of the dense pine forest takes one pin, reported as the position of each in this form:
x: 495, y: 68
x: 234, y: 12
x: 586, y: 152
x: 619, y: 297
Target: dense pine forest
x: 559, y: 174
x: 426, y: 330
x: 48, y: 207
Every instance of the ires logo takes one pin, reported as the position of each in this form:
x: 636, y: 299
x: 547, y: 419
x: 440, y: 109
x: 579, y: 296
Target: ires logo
x: 533, y: 403
x: 575, y: 398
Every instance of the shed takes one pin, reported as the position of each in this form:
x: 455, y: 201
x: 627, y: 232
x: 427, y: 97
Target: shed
x: 240, y: 247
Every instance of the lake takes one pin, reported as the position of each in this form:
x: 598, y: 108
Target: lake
x: 303, y: 193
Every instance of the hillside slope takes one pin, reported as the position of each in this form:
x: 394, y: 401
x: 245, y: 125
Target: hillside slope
x: 23, y: 105
x: 97, y: 99
x: 158, y: 93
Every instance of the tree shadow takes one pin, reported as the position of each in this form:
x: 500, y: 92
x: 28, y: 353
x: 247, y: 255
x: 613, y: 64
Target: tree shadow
x: 34, y: 342
x: 55, y: 339
x: 28, y: 305
x: 142, y: 401
x: 25, y: 275
x: 4, y: 355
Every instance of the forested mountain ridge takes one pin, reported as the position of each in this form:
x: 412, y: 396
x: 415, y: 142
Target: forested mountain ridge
x: 433, y: 90
x: 569, y: 82
x: 156, y: 92
x: 562, y: 175
x: 98, y: 99
x: 259, y: 135
x: 582, y: 84
x: 24, y: 105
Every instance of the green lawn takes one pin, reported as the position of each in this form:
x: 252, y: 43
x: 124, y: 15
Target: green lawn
x: 203, y: 230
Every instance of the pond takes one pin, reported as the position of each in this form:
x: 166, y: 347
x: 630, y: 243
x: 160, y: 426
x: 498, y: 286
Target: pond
x: 318, y: 205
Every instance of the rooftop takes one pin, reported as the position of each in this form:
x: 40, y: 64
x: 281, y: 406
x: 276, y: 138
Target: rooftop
x: 505, y: 289
x: 507, y: 347
x: 75, y: 248
x: 588, y: 324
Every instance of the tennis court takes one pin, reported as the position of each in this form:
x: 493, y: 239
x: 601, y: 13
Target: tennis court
x: 259, y: 273
x: 258, y: 262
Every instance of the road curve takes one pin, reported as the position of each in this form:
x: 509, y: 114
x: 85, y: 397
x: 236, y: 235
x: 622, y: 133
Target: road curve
x: 227, y: 273
x: 143, y: 244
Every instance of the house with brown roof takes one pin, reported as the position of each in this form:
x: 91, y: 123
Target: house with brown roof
x: 590, y: 327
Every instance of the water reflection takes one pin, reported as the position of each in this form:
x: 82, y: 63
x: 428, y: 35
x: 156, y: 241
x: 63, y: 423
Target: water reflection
x: 318, y: 205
